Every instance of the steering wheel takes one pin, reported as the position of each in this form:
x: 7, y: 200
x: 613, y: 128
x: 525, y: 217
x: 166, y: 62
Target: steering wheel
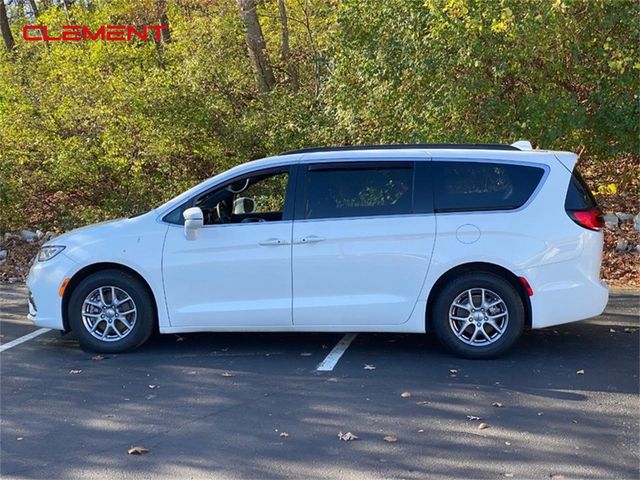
x: 221, y: 212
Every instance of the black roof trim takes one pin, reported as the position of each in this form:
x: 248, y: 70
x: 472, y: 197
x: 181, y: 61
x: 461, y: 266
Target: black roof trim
x: 432, y: 146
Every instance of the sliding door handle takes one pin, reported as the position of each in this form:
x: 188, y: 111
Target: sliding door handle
x: 311, y: 239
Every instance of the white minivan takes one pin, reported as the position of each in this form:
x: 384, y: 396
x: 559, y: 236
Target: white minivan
x: 473, y: 242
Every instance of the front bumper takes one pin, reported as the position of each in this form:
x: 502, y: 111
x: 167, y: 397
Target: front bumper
x: 45, y: 278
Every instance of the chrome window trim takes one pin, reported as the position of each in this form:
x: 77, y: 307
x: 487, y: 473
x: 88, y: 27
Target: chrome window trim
x: 363, y: 217
x: 223, y: 225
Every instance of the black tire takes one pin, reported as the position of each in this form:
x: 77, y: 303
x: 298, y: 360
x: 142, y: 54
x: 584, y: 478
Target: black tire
x: 493, y: 283
x: 140, y: 299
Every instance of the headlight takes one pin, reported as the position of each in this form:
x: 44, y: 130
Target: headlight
x: 47, y: 253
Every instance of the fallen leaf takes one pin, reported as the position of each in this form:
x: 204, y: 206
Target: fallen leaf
x: 369, y: 367
x: 137, y: 450
x: 405, y: 394
x: 473, y: 417
x: 347, y: 437
x: 497, y: 405
x: 580, y: 372
x: 391, y: 439
x: 97, y: 358
x: 284, y: 434
x: 305, y: 354
x: 75, y: 372
x: 227, y: 374
x: 152, y: 386
x: 482, y: 426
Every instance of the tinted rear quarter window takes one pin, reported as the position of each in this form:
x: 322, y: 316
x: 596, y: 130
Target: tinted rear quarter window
x: 579, y: 196
x: 474, y: 186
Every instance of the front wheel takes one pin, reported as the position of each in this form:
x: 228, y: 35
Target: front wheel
x: 478, y: 315
x: 111, y: 312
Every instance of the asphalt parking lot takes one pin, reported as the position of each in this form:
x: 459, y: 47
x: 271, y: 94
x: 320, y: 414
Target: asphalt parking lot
x: 255, y: 405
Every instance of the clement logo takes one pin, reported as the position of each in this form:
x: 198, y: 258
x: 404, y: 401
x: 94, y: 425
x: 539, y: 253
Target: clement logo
x: 78, y: 33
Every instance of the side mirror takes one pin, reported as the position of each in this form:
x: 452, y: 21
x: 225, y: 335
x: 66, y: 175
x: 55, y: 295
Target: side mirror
x: 244, y: 205
x: 193, y: 221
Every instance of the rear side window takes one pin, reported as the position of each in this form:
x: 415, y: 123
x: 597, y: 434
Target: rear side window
x: 339, y: 190
x: 579, y: 196
x: 473, y: 186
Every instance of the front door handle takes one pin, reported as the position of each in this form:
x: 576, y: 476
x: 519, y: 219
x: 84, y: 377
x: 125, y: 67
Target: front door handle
x: 273, y: 241
x: 310, y: 239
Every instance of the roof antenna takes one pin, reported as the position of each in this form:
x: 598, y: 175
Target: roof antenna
x: 522, y: 145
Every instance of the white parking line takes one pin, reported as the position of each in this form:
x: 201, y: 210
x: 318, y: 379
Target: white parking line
x: 23, y: 339
x: 334, y: 355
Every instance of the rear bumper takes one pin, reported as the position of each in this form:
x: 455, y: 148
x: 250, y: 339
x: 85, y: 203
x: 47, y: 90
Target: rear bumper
x: 575, y: 297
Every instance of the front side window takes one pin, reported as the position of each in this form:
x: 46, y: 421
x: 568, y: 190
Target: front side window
x: 474, y: 186
x: 254, y: 199
x: 340, y: 190
x: 257, y: 198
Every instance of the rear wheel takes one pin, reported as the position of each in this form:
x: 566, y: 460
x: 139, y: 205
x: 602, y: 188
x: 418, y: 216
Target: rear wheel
x: 478, y: 315
x: 111, y: 312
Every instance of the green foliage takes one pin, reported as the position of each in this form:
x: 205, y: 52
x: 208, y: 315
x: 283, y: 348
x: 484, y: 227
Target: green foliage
x: 93, y: 130
x: 563, y: 74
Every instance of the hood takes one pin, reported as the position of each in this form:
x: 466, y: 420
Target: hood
x: 98, y: 231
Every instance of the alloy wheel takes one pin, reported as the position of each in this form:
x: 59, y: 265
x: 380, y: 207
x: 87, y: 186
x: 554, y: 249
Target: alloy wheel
x: 478, y: 317
x: 109, y: 313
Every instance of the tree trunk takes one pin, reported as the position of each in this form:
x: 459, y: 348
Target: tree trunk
x: 66, y: 4
x: 286, y: 54
x: 34, y: 8
x: 256, y: 46
x: 4, y: 27
x: 164, y: 21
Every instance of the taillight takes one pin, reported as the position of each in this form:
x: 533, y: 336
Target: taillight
x: 593, y: 219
